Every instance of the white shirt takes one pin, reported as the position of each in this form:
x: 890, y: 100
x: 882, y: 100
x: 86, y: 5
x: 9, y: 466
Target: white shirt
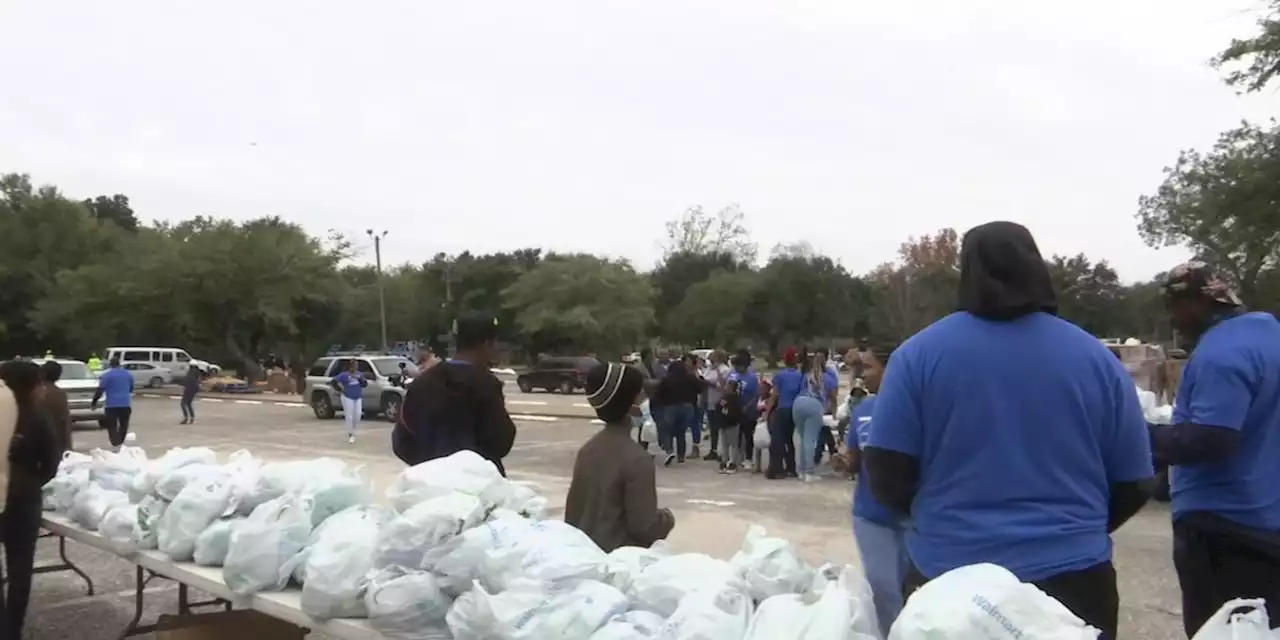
x: 715, y: 376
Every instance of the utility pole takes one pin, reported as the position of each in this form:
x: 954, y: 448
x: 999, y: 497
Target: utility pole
x: 382, y: 294
x: 448, y: 304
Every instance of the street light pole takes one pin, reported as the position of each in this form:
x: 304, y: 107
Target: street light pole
x: 382, y: 295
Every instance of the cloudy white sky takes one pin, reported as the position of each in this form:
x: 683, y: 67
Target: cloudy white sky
x: 585, y: 124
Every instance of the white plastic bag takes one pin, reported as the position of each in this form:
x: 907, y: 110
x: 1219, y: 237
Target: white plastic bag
x: 335, y: 493
x: 403, y: 603
x: 1250, y: 624
x: 275, y: 479
x: 526, y: 499
x: 264, y: 547
x: 550, y: 552
x: 243, y: 470
x: 338, y: 561
x: 196, y: 507
x: 663, y: 584
x: 177, y: 457
x: 92, y: 504
x: 213, y: 543
x: 625, y: 563
x: 964, y: 603
x: 770, y: 566
x: 465, y: 472
x: 529, y: 611
x: 457, y: 563
x: 59, y: 493
x: 120, y: 527
x: 710, y: 614
x: 783, y: 616
x: 169, y: 485
x: 836, y: 609
x: 115, y: 471
x: 632, y: 625
x: 761, y: 437
x: 426, y: 525
x: 74, y: 461
x: 649, y: 431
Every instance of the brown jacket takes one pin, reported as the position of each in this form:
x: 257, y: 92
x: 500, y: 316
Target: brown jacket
x: 59, y: 414
x: 613, y: 497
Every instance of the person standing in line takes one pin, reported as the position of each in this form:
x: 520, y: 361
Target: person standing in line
x: 33, y: 460
x: 190, y: 387
x: 351, y: 384
x: 458, y: 404
x: 807, y: 412
x: 678, y: 392
x: 831, y: 382
x: 56, y: 407
x: 1010, y: 436
x: 1224, y: 445
x: 717, y: 380
x: 787, y: 385
x: 879, y: 533
x: 749, y: 397
x: 656, y: 366
x: 613, y: 496
x: 695, y: 366
x: 117, y: 385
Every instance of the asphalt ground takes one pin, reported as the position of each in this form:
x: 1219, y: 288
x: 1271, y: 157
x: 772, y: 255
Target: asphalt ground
x: 712, y: 511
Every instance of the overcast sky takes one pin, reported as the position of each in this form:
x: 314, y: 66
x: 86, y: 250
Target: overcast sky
x: 583, y: 125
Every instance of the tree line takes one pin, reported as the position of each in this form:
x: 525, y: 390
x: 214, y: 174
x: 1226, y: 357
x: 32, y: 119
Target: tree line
x: 78, y: 275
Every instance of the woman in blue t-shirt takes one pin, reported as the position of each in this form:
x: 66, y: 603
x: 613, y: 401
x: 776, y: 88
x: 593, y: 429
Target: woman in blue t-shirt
x: 879, y: 533
x: 807, y: 411
x: 351, y: 384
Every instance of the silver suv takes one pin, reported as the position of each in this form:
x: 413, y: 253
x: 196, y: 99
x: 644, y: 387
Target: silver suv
x: 384, y: 395
x: 80, y: 384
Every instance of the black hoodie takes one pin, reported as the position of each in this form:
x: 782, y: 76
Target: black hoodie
x: 451, y: 407
x: 1002, y: 278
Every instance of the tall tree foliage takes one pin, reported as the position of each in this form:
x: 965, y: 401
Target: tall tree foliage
x: 1252, y: 63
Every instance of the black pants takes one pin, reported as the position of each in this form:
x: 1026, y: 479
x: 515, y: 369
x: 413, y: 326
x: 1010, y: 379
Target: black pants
x: 21, y: 528
x: 782, y: 446
x: 825, y: 440
x: 117, y: 423
x: 714, y: 420
x: 1215, y: 565
x: 188, y: 411
x: 1090, y: 593
x: 747, y: 435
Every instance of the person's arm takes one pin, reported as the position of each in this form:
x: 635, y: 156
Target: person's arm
x: 893, y: 449
x: 61, y: 416
x: 97, y: 395
x: 1127, y: 456
x: 645, y: 522
x: 1212, y: 403
x: 337, y: 381
x: 496, y: 431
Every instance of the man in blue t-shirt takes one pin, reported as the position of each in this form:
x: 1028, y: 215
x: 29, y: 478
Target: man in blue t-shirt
x: 117, y: 385
x: 1224, y: 445
x: 878, y: 531
x: 787, y: 385
x: 1010, y: 436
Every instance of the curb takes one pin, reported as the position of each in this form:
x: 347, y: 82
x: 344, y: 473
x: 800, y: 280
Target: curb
x: 532, y: 417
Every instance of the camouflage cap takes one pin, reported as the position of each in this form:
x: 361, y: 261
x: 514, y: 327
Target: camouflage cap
x: 1198, y: 276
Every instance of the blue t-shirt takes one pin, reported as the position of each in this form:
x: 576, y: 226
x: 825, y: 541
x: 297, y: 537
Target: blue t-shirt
x: 1019, y: 427
x: 865, y: 505
x: 1233, y: 380
x: 117, y: 388
x: 351, y: 387
x: 748, y: 389
x: 788, y: 384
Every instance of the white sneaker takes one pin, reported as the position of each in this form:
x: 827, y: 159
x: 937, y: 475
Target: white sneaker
x: 351, y: 439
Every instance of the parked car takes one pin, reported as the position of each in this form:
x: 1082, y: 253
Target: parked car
x: 80, y: 384
x: 148, y: 375
x: 565, y: 375
x: 384, y: 394
x: 176, y: 361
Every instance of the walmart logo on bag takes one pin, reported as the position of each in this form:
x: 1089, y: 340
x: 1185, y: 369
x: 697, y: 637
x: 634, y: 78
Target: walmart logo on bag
x: 994, y: 611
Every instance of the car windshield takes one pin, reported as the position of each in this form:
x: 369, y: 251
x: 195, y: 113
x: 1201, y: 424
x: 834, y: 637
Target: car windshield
x: 75, y: 371
x: 389, y: 366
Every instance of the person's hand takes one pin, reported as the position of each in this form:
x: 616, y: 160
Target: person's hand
x: 93, y: 406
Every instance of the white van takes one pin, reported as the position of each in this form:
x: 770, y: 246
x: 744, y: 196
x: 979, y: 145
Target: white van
x: 176, y: 361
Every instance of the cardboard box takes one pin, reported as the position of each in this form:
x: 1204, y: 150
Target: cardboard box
x: 241, y: 625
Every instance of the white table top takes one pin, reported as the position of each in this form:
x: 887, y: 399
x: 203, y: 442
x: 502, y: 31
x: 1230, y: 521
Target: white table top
x: 284, y: 605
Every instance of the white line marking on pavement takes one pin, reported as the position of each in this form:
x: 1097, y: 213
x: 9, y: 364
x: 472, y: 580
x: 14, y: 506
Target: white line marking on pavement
x: 288, y: 404
x: 533, y: 418
x: 247, y: 401
x: 211, y: 399
x: 714, y: 503
x: 532, y: 402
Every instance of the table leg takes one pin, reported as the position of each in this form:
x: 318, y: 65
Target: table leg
x: 66, y: 565
x: 140, y: 583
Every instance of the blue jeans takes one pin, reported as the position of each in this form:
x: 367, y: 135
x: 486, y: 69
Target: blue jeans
x: 698, y: 414
x: 807, y: 413
x: 676, y: 420
x: 885, y: 562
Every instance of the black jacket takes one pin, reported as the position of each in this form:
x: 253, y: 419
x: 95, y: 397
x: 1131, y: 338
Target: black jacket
x: 191, y: 383
x: 34, y: 454
x: 678, y: 387
x: 454, y: 407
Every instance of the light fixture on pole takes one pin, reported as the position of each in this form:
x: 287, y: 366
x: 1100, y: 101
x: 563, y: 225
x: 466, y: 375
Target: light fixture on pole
x: 382, y: 296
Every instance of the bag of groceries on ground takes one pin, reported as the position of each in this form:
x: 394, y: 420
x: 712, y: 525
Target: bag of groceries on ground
x: 1240, y: 619
x: 986, y: 601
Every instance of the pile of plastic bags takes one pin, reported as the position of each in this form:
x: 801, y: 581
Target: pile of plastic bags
x: 461, y: 552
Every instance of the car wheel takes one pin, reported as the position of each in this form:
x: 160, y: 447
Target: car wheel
x: 524, y: 385
x: 323, y: 406
x: 566, y: 387
x: 391, y: 406
x: 155, y: 383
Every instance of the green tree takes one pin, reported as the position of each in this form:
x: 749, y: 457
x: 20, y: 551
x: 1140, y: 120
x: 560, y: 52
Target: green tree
x: 115, y: 209
x: 800, y: 298
x: 1223, y: 204
x: 713, y: 312
x: 1089, y: 294
x: 1256, y: 60
x: 581, y: 302
x: 917, y: 290
x: 701, y: 233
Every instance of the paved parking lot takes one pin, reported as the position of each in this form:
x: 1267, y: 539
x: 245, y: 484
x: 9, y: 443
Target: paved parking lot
x: 712, y: 511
